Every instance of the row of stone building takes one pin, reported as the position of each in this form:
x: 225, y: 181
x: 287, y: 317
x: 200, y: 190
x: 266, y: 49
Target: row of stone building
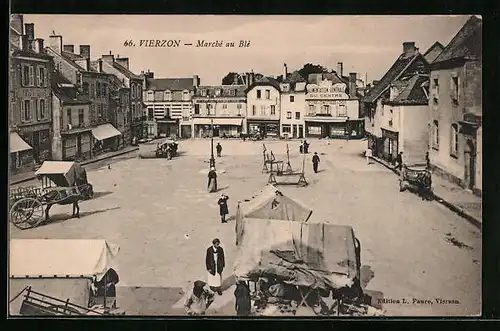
x: 63, y: 106
x: 321, y: 105
x: 429, y: 106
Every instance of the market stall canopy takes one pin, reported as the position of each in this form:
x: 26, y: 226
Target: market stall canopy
x: 52, y: 258
x: 17, y: 144
x: 314, y: 255
x: 63, y: 173
x: 105, y: 131
x: 270, y: 203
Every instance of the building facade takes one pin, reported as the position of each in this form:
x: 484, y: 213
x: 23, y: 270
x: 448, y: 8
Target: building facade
x: 221, y: 109
x: 332, y: 107
x: 168, y: 102
x: 293, y: 105
x: 455, y: 107
x: 263, y: 107
x: 120, y: 112
x: 30, y: 107
x: 92, y: 84
x: 120, y: 68
x: 71, y: 121
x: 383, y: 143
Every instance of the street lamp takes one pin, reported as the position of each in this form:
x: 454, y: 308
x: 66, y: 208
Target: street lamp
x: 212, y: 159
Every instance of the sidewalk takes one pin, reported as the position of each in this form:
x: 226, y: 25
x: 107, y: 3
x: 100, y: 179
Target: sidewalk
x: 24, y: 177
x: 457, y: 199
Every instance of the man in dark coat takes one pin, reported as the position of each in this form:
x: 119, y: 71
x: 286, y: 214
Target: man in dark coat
x: 399, y: 161
x: 243, y: 303
x: 215, y: 262
x: 306, y: 147
x: 219, y: 149
x: 212, y: 177
x: 223, y: 207
x: 315, y: 161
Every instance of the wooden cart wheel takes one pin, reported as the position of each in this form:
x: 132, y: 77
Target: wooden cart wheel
x: 27, y: 213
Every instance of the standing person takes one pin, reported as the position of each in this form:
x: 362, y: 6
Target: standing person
x: 306, y: 147
x: 215, y: 263
x: 315, y: 161
x: 399, y: 161
x: 301, y: 147
x: 347, y: 129
x: 219, y: 149
x: 369, y: 155
x: 212, y: 180
x: 223, y: 207
x: 243, y: 303
x: 198, y: 299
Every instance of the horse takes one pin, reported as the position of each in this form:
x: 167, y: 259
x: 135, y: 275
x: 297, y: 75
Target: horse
x: 60, y: 196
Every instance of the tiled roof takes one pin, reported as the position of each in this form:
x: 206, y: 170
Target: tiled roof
x: 433, y: 52
x: 226, y: 91
x: 467, y: 43
x: 294, y: 77
x: 125, y: 71
x: 67, y: 94
x: 71, y: 56
x: 396, y: 69
x: 412, y: 92
x: 265, y: 81
x: 171, y: 84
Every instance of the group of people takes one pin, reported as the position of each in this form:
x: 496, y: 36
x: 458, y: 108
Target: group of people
x: 199, y: 298
x: 304, y: 147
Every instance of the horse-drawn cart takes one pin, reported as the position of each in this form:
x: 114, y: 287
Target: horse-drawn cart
x: 63, y: 183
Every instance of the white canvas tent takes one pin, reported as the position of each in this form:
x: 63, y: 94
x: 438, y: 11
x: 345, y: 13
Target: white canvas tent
x: 270, y: 203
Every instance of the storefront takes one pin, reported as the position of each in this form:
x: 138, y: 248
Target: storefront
x: 293, y: 130
x: 168, y: 128
x: 77, y: 145
x: 222, y: 127
x: 390, y: 145
x: 107, y: 138
x: 21, y: 156
x: 263, y: 128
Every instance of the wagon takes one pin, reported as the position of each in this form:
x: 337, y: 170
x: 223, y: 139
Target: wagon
x: 63, y: 183
x: 62, y: 277
x: 166, y: 149
x: 416, y: 178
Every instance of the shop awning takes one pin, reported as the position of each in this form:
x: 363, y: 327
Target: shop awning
x: 218, y: 121
x: 105, y: 131
x: 17, y: 144
x: 325, y: 119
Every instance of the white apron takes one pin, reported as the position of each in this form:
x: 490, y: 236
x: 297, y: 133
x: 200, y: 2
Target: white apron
x: 214, y: 280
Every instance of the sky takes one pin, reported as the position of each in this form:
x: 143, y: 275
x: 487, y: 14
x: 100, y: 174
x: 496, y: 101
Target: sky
x: 367, y: 45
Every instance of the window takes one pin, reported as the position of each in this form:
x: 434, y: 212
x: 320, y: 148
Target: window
x: 233, y: 93
x: 454, y: 89
x: 150, y: 96
x: 32, y: 76
x: 436, y: 90
x: 268, y: 94
x: 35, y: 109
x: 292, y: 98
x: 41, y: 112
x: 203, y: 93
x: 92, y: 90
x: 197, y: 109
x: 133, y: 110
x: 132, y: 90
x: 224, y: 106
x: 25, y: 75
x: 258, y: 94
x: 41, y: 77
x: 287, y: 129
x: 312, y: 108
x: 273, y: 110
x: 85, y: 88
x: 238, y: 106
x: 326, y: 109
x: 92, y: 112
x: 262, y: 110
x: 218, y: 92
x: 454, y: 140
x: 26, y: 111
x: 81, y: 118
x: 98, y: 89
x: 185, y: 96
x: 99, y: 112
x: 254, y: 111
x: 435, y: 135
x: 68, y: 116
x: 297, y: 115
x: 104, y: 89
x: 288, y: 115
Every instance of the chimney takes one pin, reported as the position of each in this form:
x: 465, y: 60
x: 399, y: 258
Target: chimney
x: 109, y: 58
x: 196, y: 81
x: 99, y: 65
x: 25, y: 43
x: 16, y: 22
x: 123, y: 61
x: 85, y: 51
x: 69, y: 48
x: 252, y: 77
x: 39, y: 45
x: 285, y: 71
x: 409, y: 48
x: 29, y: 30
x: 340, y: 69
x: 352, y: 85
x: 56, y: 43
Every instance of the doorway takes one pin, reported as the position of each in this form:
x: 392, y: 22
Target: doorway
x: 470, y: 164
x: 36, y: 146
x: 294, y: 131
x: 301, y: 131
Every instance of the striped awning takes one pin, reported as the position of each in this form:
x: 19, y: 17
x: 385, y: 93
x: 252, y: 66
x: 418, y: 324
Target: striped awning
x: 17, y: 144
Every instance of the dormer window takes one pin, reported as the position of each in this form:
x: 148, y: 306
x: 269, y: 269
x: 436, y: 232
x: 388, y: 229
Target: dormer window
x: 168, y: 95
x: 233, y: 93
x: 218, y: 92
x: 203, y: 93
